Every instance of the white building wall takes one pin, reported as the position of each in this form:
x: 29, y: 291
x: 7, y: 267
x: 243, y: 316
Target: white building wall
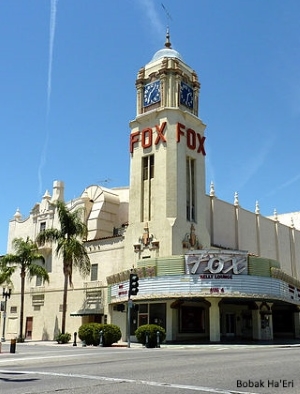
x: 247, y: 230
x: 236, y: 228
x: 108, y: 253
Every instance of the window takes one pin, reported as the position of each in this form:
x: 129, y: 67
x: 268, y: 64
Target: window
x: 94, y: 272
x: 157, y: 314
x: 147, y: 177
x: 38, y: 299
x: 151, y: 162
x: 42, y: 228
x: 145, y: 168
x: 190, y: 190
x: 148, y: 167
x: 38, y: 281
x: 13, y: 309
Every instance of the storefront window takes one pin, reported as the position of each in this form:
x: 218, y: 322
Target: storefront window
x: 158, y: 314
x: 148, y: 314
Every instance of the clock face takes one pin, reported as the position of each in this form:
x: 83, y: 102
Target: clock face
x: 186, y: 95
x: 151, y: 93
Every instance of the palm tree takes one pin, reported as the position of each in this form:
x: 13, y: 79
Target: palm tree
x: 27, y: 258
x: 6, y: 272
x: 70, y: 247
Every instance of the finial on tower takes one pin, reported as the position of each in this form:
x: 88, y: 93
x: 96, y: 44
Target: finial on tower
x: 168, y: 42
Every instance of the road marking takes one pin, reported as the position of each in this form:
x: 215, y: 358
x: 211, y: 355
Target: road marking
x: 32, y: 358
x: 121, y: 380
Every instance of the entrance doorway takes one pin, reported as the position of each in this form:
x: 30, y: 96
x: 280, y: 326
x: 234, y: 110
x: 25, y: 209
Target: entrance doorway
x: 28, y: 327
x: 230, y: 324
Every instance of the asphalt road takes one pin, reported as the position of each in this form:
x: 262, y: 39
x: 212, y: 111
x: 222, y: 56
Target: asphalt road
x: 219, y: 369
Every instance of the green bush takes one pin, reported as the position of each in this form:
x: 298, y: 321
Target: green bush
x: 90, y: 333
x: 63, y: 338
x: 151, y: 330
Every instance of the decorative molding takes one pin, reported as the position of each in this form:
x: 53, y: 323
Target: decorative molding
x: 190, y: 240
x: 146, y: 241
x: 142, y: 272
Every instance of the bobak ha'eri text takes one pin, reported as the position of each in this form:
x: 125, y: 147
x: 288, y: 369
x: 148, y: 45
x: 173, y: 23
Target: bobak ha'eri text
x: 270, y: 383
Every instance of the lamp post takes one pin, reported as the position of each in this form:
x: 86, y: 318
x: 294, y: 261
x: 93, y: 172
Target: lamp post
x: 6, y: 294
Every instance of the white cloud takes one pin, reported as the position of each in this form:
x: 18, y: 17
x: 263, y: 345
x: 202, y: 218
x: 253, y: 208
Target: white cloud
x: 49, y: 86
x: 153, y: 15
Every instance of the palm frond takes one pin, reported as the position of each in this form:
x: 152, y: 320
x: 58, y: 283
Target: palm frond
x: 36, y: 270
x: 48, y: 235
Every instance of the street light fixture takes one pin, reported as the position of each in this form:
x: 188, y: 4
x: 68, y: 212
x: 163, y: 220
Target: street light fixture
x: 6, y: 294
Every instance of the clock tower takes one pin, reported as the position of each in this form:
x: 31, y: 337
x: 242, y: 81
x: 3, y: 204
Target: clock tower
x: 167, y: 204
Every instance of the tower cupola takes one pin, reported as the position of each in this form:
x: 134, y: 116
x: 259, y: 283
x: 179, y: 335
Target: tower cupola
x: 167, y: 82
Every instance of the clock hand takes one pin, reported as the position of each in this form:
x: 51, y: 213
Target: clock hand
x: 150, y: 94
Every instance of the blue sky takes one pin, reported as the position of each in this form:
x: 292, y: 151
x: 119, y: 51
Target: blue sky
x: 68, y: 70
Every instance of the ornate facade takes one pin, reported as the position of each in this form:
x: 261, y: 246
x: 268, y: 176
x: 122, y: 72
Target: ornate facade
x: 208, y: 270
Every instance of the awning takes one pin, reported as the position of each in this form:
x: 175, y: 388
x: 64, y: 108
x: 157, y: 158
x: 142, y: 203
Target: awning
x: 88, y: 312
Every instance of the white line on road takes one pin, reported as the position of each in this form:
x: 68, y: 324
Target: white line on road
x: 55, y: 356
x: 121, y: 380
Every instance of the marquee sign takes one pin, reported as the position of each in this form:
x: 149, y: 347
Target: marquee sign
x: 216, y: 264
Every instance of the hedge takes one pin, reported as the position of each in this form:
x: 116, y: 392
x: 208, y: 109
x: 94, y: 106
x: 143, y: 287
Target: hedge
x: 90, y: 334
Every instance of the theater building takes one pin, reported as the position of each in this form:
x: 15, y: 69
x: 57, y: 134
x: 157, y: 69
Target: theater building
x: 208, y: 269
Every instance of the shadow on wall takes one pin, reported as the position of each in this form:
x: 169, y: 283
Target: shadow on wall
x: 56, y: 329
x: 45, y: 336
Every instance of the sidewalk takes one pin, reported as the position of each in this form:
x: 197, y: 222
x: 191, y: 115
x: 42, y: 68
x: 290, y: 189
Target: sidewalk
x: 121, y: 344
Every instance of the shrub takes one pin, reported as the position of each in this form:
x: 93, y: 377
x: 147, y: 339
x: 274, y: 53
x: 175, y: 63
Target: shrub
x: 63, y: 338
x: 151, y: 330
x: 90, y: 333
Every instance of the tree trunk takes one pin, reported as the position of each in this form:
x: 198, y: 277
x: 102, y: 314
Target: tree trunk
x: 21, y: 338
x: 64, y: 310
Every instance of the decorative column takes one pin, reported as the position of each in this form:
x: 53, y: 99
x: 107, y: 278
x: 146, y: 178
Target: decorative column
x: 276, y: 233
x: 293, y: 249
x: 262, y: 321
x: 256, y: 326
x: 257, y: 212
x: 212, y: 208
x: 196, y: 86
x: 214, y: 319
x: 139, y: 84
x: 266, y: 315
x: 177, y: 89
x: 236, y: 211
x: 164, y: 90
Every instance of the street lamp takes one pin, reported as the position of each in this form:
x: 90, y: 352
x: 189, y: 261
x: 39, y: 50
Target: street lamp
x: 6, y: 294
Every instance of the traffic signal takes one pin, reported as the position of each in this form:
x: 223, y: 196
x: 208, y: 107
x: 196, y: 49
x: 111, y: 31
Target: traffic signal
x: 133, y: 284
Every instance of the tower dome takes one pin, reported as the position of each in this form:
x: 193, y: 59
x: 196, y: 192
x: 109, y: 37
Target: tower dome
x: 167, y: 51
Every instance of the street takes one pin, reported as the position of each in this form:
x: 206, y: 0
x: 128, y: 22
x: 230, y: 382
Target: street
x: 220, y: 369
